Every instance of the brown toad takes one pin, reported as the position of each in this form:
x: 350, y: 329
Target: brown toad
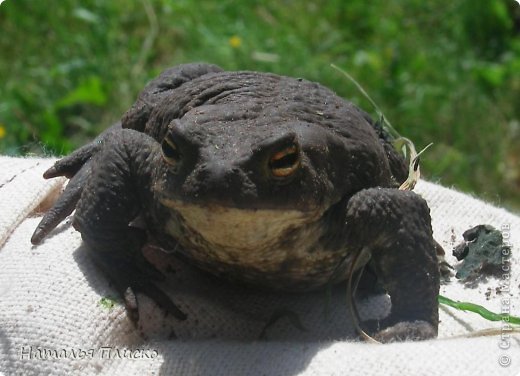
x: 258, y: 178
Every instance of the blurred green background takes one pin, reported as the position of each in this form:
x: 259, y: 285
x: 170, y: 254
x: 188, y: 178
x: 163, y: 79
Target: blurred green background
x: 446, y: 72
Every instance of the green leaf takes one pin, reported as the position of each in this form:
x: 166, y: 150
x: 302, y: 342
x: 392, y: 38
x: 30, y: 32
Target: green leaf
x: 89, y: 91
x: 107, y: 302
x: 86, y: 15
x: 54, y: 125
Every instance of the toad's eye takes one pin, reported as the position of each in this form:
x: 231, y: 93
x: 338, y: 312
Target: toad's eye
x: 285, y: 162
x: 170, y: 151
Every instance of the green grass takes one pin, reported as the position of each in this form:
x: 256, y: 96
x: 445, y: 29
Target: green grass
x: 478, y: 309
x: 444, y: 72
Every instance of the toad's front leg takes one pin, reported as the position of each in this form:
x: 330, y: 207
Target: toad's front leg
x: 111, y: 199
x: 395, y: 227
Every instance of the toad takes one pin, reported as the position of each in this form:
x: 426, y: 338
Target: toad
x: 257, y: 178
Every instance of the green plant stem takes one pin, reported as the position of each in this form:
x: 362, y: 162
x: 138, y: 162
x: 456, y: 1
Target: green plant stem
x: 475, y: 308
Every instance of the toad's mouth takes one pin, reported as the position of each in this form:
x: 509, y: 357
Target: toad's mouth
x: 241, y: 229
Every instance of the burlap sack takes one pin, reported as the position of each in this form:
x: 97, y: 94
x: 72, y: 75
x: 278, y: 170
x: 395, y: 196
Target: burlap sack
x: 55, y: 318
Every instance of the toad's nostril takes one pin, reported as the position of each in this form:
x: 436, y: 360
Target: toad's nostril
x: 218, y: 182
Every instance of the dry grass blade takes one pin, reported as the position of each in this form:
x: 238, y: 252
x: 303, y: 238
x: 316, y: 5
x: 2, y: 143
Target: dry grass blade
x: 362, y: 254
x: 414, y: 172
x: 401, y: 144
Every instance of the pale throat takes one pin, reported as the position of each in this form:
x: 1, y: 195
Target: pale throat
x: 241, y: 229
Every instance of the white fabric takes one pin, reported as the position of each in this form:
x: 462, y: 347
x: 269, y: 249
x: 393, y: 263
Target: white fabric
x: 50, y: 300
